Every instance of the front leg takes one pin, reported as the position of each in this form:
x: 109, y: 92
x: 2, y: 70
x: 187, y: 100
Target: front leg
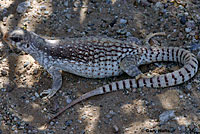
x: 57, y: 82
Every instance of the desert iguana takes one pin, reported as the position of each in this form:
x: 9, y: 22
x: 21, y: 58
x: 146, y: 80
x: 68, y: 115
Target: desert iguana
x: 95, y: 57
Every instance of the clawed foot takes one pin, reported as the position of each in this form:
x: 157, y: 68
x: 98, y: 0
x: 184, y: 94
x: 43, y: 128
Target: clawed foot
x: 49, y: 93
x: 148, y: 37
x: 57, y: 82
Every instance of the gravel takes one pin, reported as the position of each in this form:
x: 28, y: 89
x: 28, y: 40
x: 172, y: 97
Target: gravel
x: 23, y: 111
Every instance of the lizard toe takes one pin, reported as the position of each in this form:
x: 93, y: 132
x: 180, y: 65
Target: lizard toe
x: 49, y: 93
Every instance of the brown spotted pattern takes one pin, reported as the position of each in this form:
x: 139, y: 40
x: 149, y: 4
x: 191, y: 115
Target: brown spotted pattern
x: 86, y: 50
x: 89, y: 57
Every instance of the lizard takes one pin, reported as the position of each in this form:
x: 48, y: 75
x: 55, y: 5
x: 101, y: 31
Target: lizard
x: 101, y: 57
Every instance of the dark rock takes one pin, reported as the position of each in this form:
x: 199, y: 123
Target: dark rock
x: 3, y: 73
x: 68, y: 122
x: 183, y: 20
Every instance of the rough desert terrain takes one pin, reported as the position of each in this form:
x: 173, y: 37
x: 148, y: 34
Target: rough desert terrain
x: 144, y: 110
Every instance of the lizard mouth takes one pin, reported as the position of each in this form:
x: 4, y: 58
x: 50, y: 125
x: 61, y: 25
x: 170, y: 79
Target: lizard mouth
x: 5, y: 38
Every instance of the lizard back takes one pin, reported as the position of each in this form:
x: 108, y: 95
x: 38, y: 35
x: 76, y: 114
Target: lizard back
x: 91, y: 57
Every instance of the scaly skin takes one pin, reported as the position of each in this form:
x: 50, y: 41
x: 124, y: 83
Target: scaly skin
x: 93, y: 57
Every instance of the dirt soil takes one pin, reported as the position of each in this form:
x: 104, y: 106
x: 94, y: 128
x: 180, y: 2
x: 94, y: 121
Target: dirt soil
x: 22, y: 109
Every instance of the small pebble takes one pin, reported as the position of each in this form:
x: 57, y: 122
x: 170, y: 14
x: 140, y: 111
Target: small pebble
x: 112, y: 23
x: 68, y: 123
x: 159, y: 5
x: 108, y: 116
x: 83, y: 117
x: 181, y: 7
x: 3, y: 73
x: 68, y: 100
x: 37, y: 95
x: 35, y: 71
x: 187, y: 30
x: 52, y: 123
x: 108, y: 2
x: 112, y: 112
x: 123, y: 21
x: 128, y: 34
x: 189, y: 87
x: 145, y: 2
x: 195, y: 46
x: 46, y: 12
x: 191, y: 24
x: 79, y: 121
x: 22, y: 7
x: 165, y: 116
x: 27, y: 101
x: 26, y: 64
x: 68, y: 16
x: 172, y: 129
x: 43, y: 7
x: 183, y: 20
x: 180, y: 96
x: 76, y: 4
x: 115, y: 129
x: 66, y: 3
x: 134, y: 40
x: 33, y: 98
x: 121, y: 31
x: 182, y: 128
x: 83, y: 132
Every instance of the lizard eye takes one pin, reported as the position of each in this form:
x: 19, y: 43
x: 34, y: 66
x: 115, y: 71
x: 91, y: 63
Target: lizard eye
x: 16, y: 39
x: 27, y: 45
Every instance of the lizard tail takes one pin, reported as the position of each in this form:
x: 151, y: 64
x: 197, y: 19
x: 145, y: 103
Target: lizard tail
x: 115, y: 86
x: 153, y: 55
x: 174, y: 54
x: 85, y: 96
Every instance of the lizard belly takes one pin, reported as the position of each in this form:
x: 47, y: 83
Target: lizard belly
x: 89, y: 70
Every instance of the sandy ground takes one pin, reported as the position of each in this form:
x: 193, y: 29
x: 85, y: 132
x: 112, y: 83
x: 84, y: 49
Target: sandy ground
x: 22, y: 79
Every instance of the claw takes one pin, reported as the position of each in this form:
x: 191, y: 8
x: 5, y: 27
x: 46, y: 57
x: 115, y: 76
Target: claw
x: 148, y: 37
x: 49, y: 93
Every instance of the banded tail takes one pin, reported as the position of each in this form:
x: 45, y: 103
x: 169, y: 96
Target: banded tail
x: 179, y: 76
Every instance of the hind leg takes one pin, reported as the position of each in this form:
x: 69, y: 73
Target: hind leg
x: 151, y: 35
x: 130, y: 65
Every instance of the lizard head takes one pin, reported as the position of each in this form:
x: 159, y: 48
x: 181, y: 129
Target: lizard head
x: 19, y: 38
